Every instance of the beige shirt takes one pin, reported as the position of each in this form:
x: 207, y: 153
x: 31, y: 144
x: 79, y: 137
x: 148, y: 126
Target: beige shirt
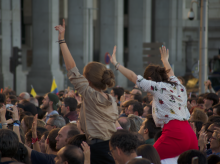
x: 97, y: 114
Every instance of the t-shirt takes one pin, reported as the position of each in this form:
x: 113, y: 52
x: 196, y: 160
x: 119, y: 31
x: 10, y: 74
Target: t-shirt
x: 37, y: 157
x: 169, y: 101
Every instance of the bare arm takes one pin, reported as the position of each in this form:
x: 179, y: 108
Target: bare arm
x: 68, y: 59
x: 164, y: 57
x: 3, y: 119
x: 130, y: 75
x: 36, y: 145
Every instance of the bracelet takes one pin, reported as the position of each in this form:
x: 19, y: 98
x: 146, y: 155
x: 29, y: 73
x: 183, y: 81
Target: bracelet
x: 34, y: 140
x: 16, y: 124
x: 5, y: 124
x: 117, y: 66
x: 61, y: 42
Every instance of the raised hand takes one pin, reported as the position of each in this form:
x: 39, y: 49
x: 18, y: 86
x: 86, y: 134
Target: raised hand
x: 164, y: 53
x: 86, y: 151
x: 61, y: 29
x: 14, y: 112
x: 34, y: 127
x: 2, y: 111
x: 113, y: 57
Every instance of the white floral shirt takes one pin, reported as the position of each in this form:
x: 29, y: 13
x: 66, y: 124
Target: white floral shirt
x: 169, y: 101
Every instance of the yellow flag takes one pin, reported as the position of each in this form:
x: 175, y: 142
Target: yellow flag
x: 33, y: 92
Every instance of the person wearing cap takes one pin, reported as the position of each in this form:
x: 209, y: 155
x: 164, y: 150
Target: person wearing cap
x: 49, y: 104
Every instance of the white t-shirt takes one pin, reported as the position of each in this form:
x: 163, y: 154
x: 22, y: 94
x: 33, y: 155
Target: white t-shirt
x: 169, y: 101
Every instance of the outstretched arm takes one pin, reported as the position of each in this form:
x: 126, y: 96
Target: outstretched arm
x: 126, y: 72
x: 68, y: 59
x: 164, y: 57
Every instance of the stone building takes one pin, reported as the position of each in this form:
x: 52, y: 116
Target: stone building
x: 93, y: 28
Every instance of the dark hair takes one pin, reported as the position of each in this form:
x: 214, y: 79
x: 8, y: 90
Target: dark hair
x: 213, y: 97
x: 217, y: 106
x: 28, y: 121
x: 72, y: 154
x: 138, y: 97
x: 150, y: 108
x: 150, y: 125
x: 207, y: 125
x: 213, y: 159
x: 149, y: 152
x: 124, y: 122
x: 28, y: 136
x: 213, y: 119
x: 2, y: 98
x: 181, y: 78
x: 71, y: 103
x: 119, y: 91
x: 200, y: 100
x: 73, y: 130
x: 77, y: 140
x: 79, y: 105
x: 45, y: 134
x: 145, y: 100
x: 124, y: 140
x: 22, y: 154
x: 41, y: 130
x: 8, y: 143
x: 158, y: 74
x: 40, y: 100
x: 157, y: 135
x: 137, y: 106
x: 139, y: 161
x: 99, y: 76
x: 129, y: 102
x: 187, y: 156
x: 198, y: 125
x: 51, y: 137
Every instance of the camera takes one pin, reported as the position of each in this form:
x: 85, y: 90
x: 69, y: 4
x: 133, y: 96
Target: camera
x: 191, y: 14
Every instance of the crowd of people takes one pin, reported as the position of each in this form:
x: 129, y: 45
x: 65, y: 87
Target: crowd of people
x: 88, y: 125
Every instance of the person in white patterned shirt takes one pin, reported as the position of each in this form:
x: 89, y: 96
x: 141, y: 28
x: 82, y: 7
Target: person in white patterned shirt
x: 169, y: 105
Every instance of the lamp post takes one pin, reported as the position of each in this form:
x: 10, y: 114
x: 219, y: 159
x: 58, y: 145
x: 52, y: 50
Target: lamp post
x: 203, y: 43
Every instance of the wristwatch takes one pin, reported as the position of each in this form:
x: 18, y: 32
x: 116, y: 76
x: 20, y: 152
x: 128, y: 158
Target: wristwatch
x: 17, y: 122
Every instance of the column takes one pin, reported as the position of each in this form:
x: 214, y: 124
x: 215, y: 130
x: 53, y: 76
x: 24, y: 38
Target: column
x: 21, y: 79
x: 45, y: 15
x: 111, y: 29
x: 147, y: 18
x: 6, y: 77
x: 135, y: 29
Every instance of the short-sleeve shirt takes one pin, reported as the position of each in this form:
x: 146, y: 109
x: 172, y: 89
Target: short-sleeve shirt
x: 169, y: 101
x: 97, y: 114
x: 37, y: 157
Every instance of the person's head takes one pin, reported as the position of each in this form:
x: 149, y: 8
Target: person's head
x: 149, y: 96
x: 213, y: 159
x: 2, y: 99
x: 210, y: 100
x: 34, y: 101
x: 22, y: 155
x: 42, y: 141
x: 135, y: 91
x: 122, y: 144
x: 29, y: 107
x: 136, y: 109
x: 156, y: 73
x: 69, y: 104
x: 139, y: 161
x: 124, y: 122
x: 99, y: 76
x: 50, y: 101
x: 77, y: 140
x: 50, y: 142
x: 137, y: 97
x: 9, y: 99
x: 66, y: 133
x: 55, y: 121
x: 187, y: 156
x: 117, y: 92
x: 126, y: 104
x: 148, y: 128
x: 24, y: 95
x: 199, y: 115
x: 147, y: 110
x: 145, y: 100
x: 135, y: 121
x: 127, y: 95
x: 216, y: 109
x: 69, y: 154
x: 26, y: 123
x: 8, y: 143
x: 149, y: 152
x: 40, y: 100
x: 215, y: 142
